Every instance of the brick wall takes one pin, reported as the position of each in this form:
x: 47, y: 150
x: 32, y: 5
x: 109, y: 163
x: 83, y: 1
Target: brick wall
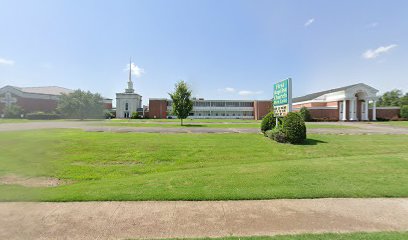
x: 384, y: 113
x: 40, y: 105
x: 261, y: 108
x: 34, y: 105
x: 157, y: 108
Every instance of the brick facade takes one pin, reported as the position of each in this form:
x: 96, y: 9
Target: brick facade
x: 261, y: 108
x: 157, y: 108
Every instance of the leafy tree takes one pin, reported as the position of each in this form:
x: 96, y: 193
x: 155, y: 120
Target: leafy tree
x: 404, y: 100
x: 13, y: 111
x: 390, y: 99
x: 404, y: 111
x: 81, y: 104
x: 182, y: 103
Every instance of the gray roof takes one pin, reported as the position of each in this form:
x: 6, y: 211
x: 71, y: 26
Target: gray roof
x: 318, y: 94
x: 50, y: 90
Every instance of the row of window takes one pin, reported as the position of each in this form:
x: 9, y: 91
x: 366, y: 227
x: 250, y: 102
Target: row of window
x: 222, y: 114
x: 218, y: 104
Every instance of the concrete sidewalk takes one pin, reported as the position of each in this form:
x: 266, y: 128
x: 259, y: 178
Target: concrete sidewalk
x: 118, y: 220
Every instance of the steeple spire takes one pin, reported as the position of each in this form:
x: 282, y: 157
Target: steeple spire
x: 130, y: 83
x: 130, y: 69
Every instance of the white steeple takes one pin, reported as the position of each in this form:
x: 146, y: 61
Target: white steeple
x: 130, y: 83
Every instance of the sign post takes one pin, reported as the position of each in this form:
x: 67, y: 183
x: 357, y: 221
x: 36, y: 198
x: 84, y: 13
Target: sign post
x: 282, y: 98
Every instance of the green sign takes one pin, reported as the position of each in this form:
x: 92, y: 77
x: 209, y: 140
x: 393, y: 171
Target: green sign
x: 282, y: 97
x: 281, y: 92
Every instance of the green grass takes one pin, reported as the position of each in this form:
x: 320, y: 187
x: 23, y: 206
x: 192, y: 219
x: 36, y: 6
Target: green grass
x: 395, y: 123
x: 327, y: 236
x: 6, y: 120
x: 150, y: 166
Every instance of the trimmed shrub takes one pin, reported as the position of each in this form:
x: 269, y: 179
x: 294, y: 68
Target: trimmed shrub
x: 42, y: 116
x: 404, y: 111
x: 268, y: 122
x: 268, y: 134
x: 278, y: 134
x: 135, y: 115
x: 305, y: 114
x: 294, y: 128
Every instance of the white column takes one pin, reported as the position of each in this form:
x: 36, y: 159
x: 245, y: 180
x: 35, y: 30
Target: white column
x: 352, y: 109
x: 374, y: 111
x: 344, y: 118
x: 366, y: 110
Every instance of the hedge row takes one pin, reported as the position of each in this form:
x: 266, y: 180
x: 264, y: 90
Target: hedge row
x: 42, y: 116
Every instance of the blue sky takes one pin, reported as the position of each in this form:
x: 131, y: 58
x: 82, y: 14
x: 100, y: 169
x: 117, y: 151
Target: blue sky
x: 224, y: 49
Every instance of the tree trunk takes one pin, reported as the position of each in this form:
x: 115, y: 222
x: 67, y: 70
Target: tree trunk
x: 181, y: 121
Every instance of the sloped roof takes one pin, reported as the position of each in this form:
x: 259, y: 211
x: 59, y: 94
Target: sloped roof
x: 50, y: 90
x: 318, y: 94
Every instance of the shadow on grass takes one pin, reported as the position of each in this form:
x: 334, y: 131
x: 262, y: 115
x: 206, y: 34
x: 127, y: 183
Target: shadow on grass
x: 310, y: 141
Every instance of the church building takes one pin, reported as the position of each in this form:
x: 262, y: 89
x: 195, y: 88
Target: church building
x: 36, y: 99
x: 129, y: 101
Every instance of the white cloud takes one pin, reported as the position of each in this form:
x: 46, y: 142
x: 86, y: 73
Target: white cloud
x: 373, y: 53
x: 227, y: 90
x: 247, y: 93
x: 6, y: 62
x: 135, y: 70
x: 372, y: 25
x: 309, y: 22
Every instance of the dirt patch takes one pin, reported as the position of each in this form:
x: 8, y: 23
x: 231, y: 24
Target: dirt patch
x: 12, y: 179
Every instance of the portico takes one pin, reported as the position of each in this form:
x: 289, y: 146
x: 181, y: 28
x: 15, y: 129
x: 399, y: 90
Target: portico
x: 354, y: 105
x: 350, y: 103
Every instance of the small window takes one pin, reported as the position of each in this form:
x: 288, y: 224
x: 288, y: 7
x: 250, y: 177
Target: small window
x: 126, y: 106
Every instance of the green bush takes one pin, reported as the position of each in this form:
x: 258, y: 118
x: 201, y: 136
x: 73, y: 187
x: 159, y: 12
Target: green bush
x: 42, y: 116
x: 294, y: 128
x: 135, y: 115
x: 268, y: 122
x: 13, y: 111
x: 404, y: 111
x: 305, y: 114
x: 108, y: 114
x: 277, y: 134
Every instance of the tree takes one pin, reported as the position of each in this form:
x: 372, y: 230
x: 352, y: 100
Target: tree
x: 404, y: 100
x: 182, y: 104
x: 81, y: 104
x: 390, y: 99
x: 404, y: 111
x: 13, y: 111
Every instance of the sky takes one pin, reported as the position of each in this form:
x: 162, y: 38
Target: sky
x: 224, y: 49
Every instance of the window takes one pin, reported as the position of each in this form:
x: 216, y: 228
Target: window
x: 126, y: 106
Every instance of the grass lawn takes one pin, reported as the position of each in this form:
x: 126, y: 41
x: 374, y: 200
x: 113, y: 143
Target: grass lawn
x: 8, y: 120
x: 328, y: 236
x: 395, y: 123
x: 150, y: 166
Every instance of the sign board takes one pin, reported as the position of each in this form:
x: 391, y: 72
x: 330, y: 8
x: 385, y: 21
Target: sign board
x: 282, y: 97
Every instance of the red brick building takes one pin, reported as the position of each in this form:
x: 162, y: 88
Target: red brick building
x: 350, y: 103
x: 34, y: 99
x: 218, y: 109
x: 356, y: 102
